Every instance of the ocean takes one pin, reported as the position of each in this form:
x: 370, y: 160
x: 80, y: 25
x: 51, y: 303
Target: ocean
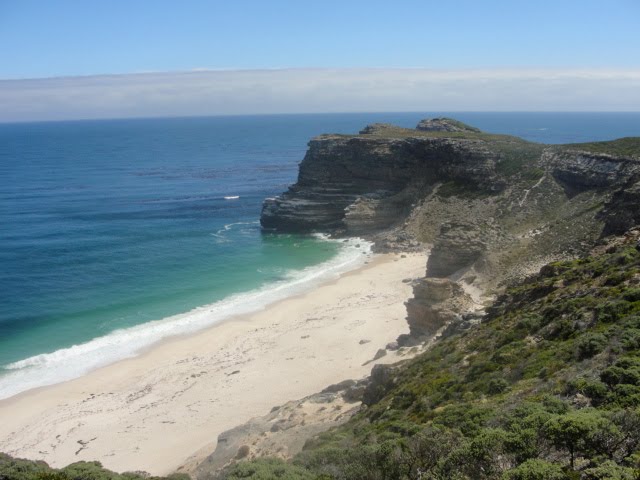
x: 115, y: 234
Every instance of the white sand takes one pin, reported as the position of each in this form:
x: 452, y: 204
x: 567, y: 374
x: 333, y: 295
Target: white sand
x: 155, y: 411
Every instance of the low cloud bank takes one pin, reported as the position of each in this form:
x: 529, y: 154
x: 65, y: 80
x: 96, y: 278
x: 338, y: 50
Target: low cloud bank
x: 210, y: 92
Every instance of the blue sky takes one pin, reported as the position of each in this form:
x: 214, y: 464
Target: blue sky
x: 85, y: 37
x: 73, y: 59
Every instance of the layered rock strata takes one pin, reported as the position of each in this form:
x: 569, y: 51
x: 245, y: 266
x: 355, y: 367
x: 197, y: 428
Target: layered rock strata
x: 578, y: 171
x: 493, y: 203
x: 358, y: 184
x: 457, y: 246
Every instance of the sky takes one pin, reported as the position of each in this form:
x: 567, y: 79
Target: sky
x: 172, y: 53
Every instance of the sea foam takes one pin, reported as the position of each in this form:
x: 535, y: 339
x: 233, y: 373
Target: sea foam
x: 73, y: 362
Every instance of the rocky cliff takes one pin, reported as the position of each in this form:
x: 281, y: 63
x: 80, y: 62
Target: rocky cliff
x: 492, y: 208
x: 361, y: 183
x: 493, y: 205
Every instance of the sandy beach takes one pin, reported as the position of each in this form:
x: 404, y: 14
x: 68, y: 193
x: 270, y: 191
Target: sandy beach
x: 157, y: 410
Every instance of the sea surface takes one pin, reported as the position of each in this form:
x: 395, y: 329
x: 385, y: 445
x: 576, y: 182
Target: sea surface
x: 115, y: 234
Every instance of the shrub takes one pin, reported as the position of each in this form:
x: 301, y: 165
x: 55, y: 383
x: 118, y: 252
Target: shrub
x: 497, y: 386
x: 613, y: 310
x: 630, y: 339
x: 590, y: 344
x: 535, y: 469
x: 266, y: 469
x: 624, y: 371
x: 609, y: 471
x: 594, y: 389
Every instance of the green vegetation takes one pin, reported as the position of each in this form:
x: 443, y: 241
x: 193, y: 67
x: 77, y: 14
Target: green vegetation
x: 547, y: 387
x: 515, y: 155
x: 461, y: 190
x: 519, y: 158
x: 267, y: 469
x: 626, y: 147
x: 18, y: 469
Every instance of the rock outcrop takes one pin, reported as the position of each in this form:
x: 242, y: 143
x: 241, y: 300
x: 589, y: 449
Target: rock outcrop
x: 436, y: 303
x: 457, y: 246
x: 444, y: 125
x: 280, y: 433
x: 494, y: 203
x: 382, y: 379
x: 623, y: 211
x: 578, y: 171
x: 362, y: 183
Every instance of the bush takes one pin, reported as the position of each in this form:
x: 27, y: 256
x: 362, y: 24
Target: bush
x: 609, y: 471
x: 266, y: 469
x: 613, y: 310
x: 18, y: 469
x: 497, y: 386
x: 595, y: 390
x: 590, y: 344
x: 630, y: 339
x: 482, y: 457
x: 624, y: 371
x: 535, y: 469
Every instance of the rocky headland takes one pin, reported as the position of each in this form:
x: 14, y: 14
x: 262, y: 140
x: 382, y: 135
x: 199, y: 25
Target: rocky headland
x: 495, y: 204
x: 492, y: 209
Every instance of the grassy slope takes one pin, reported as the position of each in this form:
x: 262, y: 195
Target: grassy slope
x: 547, y: 387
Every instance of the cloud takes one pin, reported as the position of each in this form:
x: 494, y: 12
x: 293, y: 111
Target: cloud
x: 225, y: 92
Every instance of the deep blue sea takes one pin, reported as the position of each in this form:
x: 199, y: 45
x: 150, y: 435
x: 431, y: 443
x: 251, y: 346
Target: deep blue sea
x: 115, y: 234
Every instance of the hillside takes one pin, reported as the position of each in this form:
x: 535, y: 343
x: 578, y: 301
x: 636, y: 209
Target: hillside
x: 547, y: 386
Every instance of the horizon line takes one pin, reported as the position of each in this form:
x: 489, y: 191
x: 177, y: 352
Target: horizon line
x: 284, y: 114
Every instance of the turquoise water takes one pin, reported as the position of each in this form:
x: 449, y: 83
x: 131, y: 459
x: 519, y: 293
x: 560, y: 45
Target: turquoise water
x: 108, y: 229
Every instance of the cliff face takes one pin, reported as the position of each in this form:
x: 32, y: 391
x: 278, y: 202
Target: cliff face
x: 493, y: 205
x: 578, y: 171
x: 493, y: 208
x: 622, y: 212
x: 436, y: 303
x: 359, y: 184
